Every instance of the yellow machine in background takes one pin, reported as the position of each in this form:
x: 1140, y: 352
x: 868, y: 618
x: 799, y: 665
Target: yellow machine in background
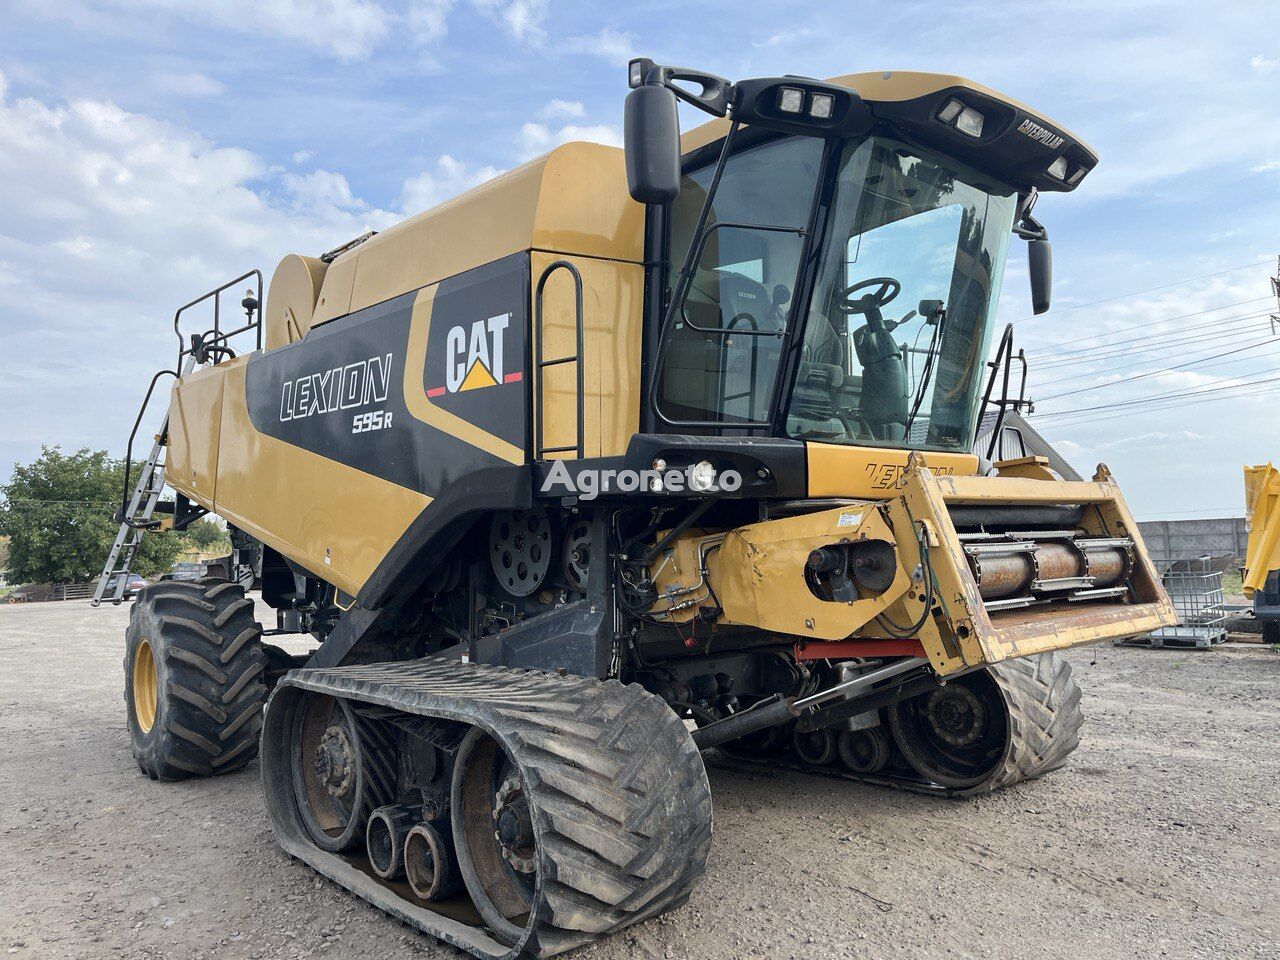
x: 1261, y: 574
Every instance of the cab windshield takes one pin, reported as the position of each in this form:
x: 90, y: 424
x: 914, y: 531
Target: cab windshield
x: 898, y: 327
x: 895, y: 334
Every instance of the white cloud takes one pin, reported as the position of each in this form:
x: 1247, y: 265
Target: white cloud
x: 1263, y: 65
x: 112, y: 218
x: 189, y: 84
x: 567, y: 109
x: 302, y: 156
x: 787, y: 37
x: 522, y: 20
x: 448, y: 178
x: 428, y: 20
x: 347, y: 29
x: 609, y: 44
x: 1267, y: 166
x: 538, y: 138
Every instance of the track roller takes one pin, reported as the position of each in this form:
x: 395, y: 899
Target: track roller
x: 864, y: 751
x: 384, y: 840
x: 429, y: 863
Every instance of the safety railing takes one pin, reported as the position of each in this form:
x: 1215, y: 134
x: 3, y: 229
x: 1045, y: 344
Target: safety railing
x: 541, y: 364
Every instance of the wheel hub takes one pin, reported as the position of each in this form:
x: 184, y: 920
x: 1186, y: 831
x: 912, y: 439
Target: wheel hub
x: 514, y: 825
x: 956, y: 715
x: 335, y: 761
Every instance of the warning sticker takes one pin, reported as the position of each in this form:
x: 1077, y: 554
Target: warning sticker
x: 850, y: 518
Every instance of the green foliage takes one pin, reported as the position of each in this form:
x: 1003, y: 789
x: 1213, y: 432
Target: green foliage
x: 58, y: 515
x: 207, y: 536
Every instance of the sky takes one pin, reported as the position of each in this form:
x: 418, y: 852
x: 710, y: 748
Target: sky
x: 151, y: 149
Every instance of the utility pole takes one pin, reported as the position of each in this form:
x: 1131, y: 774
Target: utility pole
x: 1275, y: 290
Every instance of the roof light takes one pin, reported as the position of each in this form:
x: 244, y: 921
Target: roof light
x: 1077, y: 176
x: 1058, y: 168
x: 950, y: 110
x: 635, y: 73
x: 970, y: 122
x: 821, y: 106
x: 791, y: 100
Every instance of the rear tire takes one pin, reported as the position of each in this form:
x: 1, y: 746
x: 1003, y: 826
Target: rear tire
x: 1015, y: 720
x: 194, y: 688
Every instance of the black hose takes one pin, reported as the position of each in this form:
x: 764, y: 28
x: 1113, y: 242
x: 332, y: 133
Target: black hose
x: 898, y: 631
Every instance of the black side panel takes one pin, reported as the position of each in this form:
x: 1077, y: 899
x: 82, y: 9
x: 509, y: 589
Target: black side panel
x: 342, y: 391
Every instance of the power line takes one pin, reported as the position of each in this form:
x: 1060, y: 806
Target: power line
x: 1162, y: 407
x: 1223, y: 326
x: 1144, y: 323
x: 1163, y: 286
x: 1172, y: 394
x: 1153, y: 373
x: 1075, y: 376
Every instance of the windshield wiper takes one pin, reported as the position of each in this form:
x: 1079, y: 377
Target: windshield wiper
x: 941, y: 313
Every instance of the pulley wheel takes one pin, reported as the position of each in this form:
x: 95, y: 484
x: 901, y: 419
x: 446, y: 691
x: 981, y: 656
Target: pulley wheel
x: 520, y: 549
x: 815, y: 747
x: 955, y: 735
x: 493, y: 835
x: 337, y: 779
x: 576, y: 556
x: 864, y: 751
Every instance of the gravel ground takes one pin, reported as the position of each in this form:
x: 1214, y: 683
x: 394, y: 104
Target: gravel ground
x: 1160, y: 839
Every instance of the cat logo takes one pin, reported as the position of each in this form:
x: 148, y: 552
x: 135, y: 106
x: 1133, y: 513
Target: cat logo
x: 474, y: 357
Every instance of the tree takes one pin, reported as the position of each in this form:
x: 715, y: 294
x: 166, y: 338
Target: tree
x: 207, y: 536
x: 59, y: 517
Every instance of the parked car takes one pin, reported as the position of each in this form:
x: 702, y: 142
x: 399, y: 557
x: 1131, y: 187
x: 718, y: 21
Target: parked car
x: 185, y: 570
x: 133, y: 583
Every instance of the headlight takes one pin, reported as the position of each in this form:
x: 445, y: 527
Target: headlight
x: 821, y: 106
x: 1059, y: 168
x: 702, y: 476
x: 791, y: 100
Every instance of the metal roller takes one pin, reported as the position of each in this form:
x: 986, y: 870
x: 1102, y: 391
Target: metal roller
x: 1007, y: 568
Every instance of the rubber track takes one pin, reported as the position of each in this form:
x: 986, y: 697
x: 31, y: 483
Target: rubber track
x: 622, y: 807
x: 1043, y: 709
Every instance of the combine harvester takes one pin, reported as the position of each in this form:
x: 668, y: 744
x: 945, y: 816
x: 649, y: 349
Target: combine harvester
x: 616, y: 458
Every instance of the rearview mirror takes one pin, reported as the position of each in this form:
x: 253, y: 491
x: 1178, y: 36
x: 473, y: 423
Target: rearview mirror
x: 651, y: 134
x: 1040, y: 265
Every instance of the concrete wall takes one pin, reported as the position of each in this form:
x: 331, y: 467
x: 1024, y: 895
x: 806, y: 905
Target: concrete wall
x: 1169, y: 540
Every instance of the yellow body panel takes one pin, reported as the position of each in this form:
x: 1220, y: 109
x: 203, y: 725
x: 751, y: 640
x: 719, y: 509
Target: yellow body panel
x: 573, y: 200
x: 195, y: 423
x: 292, y: 299
x: 872, y: 473
x: 613, y: 318
x: 334, y: 520
x: 756, y: 573
x: 1262, y: 516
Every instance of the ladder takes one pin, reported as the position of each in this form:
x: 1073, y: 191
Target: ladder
x: 137, y: 517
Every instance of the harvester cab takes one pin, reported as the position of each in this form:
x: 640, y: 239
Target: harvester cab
x: 620, y: 456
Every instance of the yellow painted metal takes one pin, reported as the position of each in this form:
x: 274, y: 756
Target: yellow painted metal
x: 871, y: 473
x: 755, y: 574
x: 1262, y: 516
x: 880, y: 86
x: 291, y: 299
x: 332, y: 519
x: 145, y: 686
x: 1026, y: 468
x: 195, y: 425
x: 573, y: 200
x: 613, y: 317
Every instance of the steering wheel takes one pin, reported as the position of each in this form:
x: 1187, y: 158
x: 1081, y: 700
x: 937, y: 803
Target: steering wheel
x: 886, y: 289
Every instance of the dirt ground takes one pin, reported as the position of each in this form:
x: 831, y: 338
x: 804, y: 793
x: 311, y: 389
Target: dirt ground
x: 1160, y: 839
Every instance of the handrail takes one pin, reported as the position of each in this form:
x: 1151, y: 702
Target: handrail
x: 123, y: 515
x: 576, y: 357
x: 1003, y: 359
x: 219, y: 339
